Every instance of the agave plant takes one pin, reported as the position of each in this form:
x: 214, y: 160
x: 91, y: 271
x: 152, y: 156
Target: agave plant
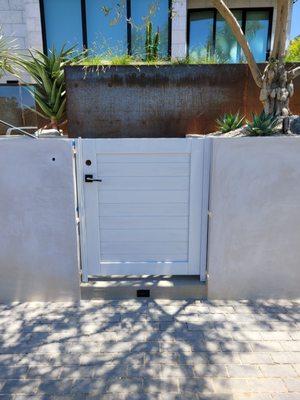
x: 230, y: 122
x: 7, y: 46
x: 262, y: 125
x: 49, y: 91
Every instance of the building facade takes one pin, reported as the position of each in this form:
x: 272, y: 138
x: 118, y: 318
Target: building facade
x: 105, y: 27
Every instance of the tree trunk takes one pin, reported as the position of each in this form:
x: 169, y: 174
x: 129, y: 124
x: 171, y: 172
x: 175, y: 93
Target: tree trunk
x: 277, y: 89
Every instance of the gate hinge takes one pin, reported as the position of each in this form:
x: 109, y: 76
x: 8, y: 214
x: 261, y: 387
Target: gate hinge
x: 210, y: 214
x: 77, y: 220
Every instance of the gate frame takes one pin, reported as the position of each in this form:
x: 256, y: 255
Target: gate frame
x: 199, y: 230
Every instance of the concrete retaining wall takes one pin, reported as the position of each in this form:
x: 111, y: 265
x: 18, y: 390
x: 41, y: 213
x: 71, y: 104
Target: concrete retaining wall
x: 38, y: 256
x: 254, y: 235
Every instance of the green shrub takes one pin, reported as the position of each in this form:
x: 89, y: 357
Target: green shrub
x: 293, y: 52
x: 230, y: 122
x: 262, y: 125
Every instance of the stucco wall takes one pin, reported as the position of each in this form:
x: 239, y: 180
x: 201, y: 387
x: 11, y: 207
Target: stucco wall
x: 254, y: 232
x: 38, y: 242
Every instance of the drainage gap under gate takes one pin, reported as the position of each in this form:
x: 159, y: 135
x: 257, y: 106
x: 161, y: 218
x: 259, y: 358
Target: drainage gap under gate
x: 143, y: 293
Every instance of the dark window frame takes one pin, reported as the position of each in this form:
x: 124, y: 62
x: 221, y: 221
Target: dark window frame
x: 84, y: 27
x: 244, y: 19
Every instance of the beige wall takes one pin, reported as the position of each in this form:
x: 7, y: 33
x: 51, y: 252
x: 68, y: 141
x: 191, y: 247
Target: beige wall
x: 254, y: 228
x: 38, y: 241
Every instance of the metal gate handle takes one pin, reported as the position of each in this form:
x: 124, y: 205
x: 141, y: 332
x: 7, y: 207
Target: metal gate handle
x: 90, y: 179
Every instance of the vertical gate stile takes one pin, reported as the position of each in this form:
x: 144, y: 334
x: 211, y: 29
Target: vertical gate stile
x: 206, y: 169
x: 81, y: 210
x: 195, y: 206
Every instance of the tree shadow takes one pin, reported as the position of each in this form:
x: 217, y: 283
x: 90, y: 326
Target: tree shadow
x: 137, y: 349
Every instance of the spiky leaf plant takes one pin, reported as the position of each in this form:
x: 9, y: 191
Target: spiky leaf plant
x: 262, y: 125
x: 151, y: 43
x: 47, y: 72
x: 7, y: 46
x: 230, y: 122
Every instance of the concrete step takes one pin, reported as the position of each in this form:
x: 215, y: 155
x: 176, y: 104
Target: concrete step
x: 155, y: 287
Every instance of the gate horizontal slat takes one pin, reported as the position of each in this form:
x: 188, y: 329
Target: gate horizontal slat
x: 146, y: 196
x: 142, y: 209
x: 144, y: 222
x: 144, y: 235
x: 173, y: 249
x: 143, y: 169
x: 145, y: 183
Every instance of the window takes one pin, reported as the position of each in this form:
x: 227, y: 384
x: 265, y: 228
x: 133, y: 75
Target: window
x: 210, y: 35
x: 106, y: 27
x: 257, y: 33
x: 226, y: 46
x: 201, y: 34
x: 15, y: 106
x: 156, y: 11
x: 62, y: 23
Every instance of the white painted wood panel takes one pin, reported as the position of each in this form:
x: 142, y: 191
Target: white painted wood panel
x: 145, y: 215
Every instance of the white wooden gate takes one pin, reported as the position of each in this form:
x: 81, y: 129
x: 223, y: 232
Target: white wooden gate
x: 143, y: 206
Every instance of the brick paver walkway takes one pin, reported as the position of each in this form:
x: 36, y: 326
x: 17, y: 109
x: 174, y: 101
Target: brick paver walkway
x: 150, y: 350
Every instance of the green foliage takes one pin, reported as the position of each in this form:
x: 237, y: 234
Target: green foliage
x: 7, y: 47
x: 151, y: 43
x: 47, y: 72
x: 230, y: 122
x: 262, y: 125
x: 293, y: 51
x: 123, y: 59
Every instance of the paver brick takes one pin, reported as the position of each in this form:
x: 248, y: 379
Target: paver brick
x: 213, y: 350
x: 278, y: 371
x: 293, y: 384
x: 243, y: 371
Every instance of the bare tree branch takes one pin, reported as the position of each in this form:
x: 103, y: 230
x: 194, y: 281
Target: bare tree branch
x: 294, y: 73
x: 280, y: 37
x: 223, y: 9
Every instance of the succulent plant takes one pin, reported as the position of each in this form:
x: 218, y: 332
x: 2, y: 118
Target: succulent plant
x: 7, y: 46
x: 262, y: 125
x: 151, y: 43
x: 230, y: 122
x: 47, y: 72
